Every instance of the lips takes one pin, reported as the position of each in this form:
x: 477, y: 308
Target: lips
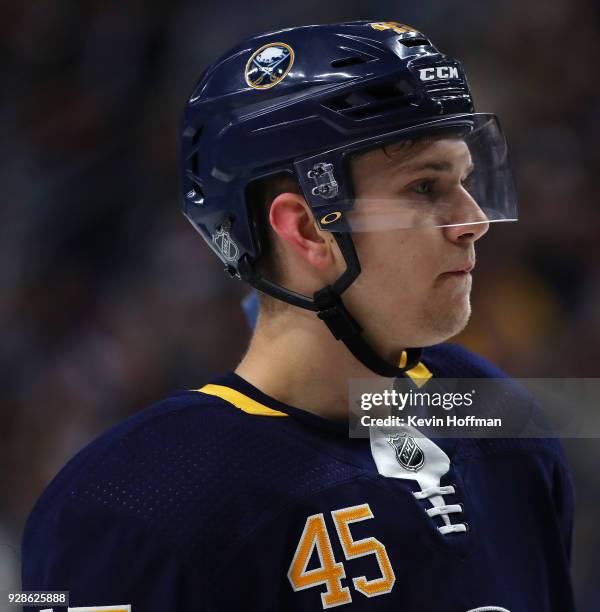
x: 464, y: 269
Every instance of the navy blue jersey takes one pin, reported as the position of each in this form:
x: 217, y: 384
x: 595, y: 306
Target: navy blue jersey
x: 226, y: 499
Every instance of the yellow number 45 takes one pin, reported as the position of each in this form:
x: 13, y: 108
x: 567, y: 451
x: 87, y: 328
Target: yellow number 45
x: 330, y: 572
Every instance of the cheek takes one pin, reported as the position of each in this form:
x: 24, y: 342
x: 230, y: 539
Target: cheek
x: 397, y: 262
x: 377, y: 249
x: 378, y: 258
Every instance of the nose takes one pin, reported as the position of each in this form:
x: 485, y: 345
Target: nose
x: 469, y: 223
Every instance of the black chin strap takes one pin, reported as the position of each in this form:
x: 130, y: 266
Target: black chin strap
x: 327, y: 303
x: 343, y: 326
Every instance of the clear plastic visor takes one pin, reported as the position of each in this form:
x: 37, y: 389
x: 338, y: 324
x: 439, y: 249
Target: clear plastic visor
x: 449, y: 176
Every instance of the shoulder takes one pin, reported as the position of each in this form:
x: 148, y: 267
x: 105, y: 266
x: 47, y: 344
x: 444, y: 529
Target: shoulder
x: 165, y: 446
x: 101, y: 527
x: 193, y: 469
x: 138, y: 455
x: 152, y: 432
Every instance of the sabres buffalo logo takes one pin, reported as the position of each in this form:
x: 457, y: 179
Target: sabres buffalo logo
x: 269, y: 65
x: 408, y: 452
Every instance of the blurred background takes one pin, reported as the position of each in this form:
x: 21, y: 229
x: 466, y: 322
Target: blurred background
x: 109, y: 299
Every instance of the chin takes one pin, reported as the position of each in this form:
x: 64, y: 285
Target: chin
x: 441, y: 325
x: 435, y: 322
x: 456, y: 322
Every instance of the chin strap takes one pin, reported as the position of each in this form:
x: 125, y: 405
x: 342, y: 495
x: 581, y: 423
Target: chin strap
x: 331, y: 310
x: 328, y: 305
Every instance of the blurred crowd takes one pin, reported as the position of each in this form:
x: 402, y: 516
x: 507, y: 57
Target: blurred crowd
x: 108, y: 298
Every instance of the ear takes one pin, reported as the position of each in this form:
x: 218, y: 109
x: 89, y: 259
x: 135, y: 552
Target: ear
x: 291, y: 219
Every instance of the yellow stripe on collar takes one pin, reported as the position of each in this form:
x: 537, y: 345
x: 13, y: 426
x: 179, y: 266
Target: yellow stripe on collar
x: 420, y: 374
x: 241, y: 401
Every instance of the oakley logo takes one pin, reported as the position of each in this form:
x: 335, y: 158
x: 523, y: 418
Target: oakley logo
x: 439, y: 72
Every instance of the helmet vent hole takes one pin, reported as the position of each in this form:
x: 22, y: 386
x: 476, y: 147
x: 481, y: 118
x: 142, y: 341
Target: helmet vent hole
x: 194, y: 158
x: 414, y: 42
x: 388, y: 90
x: 374, y: 100
x: 195, y: 164
x: 349, y: 61
x: 196, y: 136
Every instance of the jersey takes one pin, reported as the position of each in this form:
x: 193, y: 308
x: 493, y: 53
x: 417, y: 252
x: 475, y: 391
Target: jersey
x: 226, y: 499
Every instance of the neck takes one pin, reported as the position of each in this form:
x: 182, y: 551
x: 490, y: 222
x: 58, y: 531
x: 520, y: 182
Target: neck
x: 293, y: 358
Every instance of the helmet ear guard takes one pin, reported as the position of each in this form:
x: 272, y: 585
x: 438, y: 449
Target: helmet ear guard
x: 305, y: 101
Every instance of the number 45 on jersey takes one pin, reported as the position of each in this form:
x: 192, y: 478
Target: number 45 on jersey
x: 330, y: 572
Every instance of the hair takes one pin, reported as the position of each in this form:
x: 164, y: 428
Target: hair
x: 259, y: 196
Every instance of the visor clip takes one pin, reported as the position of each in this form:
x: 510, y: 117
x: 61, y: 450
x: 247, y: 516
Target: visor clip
x: 326, y: 185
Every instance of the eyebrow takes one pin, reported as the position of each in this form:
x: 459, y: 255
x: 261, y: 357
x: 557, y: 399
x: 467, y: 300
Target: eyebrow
x: 438, y: 166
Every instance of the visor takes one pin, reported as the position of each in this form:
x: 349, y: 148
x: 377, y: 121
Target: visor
x: 454, y: 171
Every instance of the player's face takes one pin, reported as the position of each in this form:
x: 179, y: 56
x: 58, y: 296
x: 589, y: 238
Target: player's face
x: 414, y: 289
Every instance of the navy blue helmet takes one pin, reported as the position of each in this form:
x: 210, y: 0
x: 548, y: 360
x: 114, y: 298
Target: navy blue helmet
x: 301, y: 101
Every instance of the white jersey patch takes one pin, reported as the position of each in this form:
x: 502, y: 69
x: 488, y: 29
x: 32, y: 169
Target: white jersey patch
x: 399, y: 452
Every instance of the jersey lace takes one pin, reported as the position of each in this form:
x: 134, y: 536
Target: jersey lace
x: 443, y: 510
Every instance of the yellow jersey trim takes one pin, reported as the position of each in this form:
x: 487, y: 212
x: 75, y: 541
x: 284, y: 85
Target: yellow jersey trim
x: 420, y: 374
x: 241, y: 401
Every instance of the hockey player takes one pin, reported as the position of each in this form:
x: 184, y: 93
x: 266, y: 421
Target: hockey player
x: 340, y: 170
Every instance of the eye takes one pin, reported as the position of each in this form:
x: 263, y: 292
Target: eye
x: 423, y: 187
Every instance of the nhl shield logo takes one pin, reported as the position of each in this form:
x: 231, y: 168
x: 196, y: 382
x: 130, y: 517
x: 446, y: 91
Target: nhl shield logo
x: 226, y: 245
x: 269, y: 65
x: 408, y: 453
